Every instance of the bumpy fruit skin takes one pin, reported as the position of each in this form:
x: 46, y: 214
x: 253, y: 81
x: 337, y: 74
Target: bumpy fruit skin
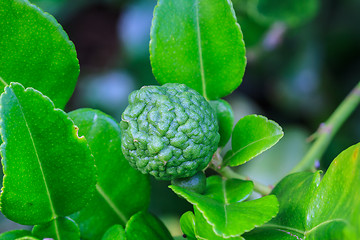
x: 169, y: 131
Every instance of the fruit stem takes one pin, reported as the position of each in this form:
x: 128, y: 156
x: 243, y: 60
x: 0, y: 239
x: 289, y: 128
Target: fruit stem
x: 327, y: 130
x: 216, y: 164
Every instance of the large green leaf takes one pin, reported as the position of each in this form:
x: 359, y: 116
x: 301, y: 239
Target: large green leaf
x: 144, y: 225
x: 223, y: 209
x: 61, y: 228
x: 48, y: 169
x: 329, y: 210
x: 35, y: 50
x: 336, y: 200
x: 252, y: 135
x: 198, y: 43
x: 112, y: 203
x: 294, y: 193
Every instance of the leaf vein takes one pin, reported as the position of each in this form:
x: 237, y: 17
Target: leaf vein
x: 111, y: 204
x: 324, y: 223
x: 198, y: 31
x: 38, y: 160
x: 261, y: 139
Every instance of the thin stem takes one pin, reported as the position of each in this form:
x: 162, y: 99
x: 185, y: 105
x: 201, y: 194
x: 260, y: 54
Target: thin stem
x: 258, y: 187
x: 216, y: 164
x: 328, y: 129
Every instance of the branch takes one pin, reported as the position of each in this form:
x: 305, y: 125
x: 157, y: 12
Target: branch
x: 328, y: 129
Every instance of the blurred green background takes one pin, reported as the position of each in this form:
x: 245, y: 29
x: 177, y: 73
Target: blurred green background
x: 303, y: 59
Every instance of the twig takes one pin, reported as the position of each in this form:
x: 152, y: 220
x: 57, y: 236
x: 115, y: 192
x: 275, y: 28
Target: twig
x: 216, y: 164
x: 328, y: 129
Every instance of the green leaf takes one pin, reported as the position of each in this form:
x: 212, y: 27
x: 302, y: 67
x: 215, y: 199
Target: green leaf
x: 14, y: 234
x: 35, y: 50
x: 329, y: 210
x: 144, y: 225
x: 204, y: 230
x: 294, y: 193
x: 291, y: 12
x: 225, y: 119
x: 111, y: 203
x: 336, y: 200
x: 198, y: 43
x: 116, y: 232
x: 59, y: 228
x: 221, y: 208
x: 187, y: 223
x: 48, y: 170
x: 252, y: 135
x: 228, y: 191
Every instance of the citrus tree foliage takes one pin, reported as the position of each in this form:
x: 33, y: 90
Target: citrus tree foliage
x: 82, y: 175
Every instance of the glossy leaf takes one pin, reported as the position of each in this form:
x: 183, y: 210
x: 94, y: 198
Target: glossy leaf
x: 35, y: 50
x: 294, y: 193
x: 187, y: 223
x: 59, y: 228
x: 198, y: 43
x: 228, y: 191
x: 144, y: 225
x: 291, y: 12
x: 204, y: 230
x: 14, y: 234
x: 111, y: 203
x: 116, y: 232
x: 330, y: 211
x: 199, y: 228
x: 336, y: 200
x: 227, y: 216
x: 252, y: 135
x: 225, y: 119
x: 48, y: 169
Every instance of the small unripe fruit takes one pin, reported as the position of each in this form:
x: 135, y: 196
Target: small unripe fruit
x: 169, y: 131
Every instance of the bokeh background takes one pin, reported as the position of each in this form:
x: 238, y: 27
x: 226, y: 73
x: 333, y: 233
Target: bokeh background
x: 303, y: 59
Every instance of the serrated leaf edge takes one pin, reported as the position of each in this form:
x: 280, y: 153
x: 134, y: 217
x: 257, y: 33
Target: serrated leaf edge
x: 279, y: 136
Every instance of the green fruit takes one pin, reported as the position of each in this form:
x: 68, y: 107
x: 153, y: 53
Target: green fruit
x: 169, y: 131
x: 196, y: 183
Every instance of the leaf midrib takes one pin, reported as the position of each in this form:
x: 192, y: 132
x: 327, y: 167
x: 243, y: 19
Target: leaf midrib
x: 111, y: 204
x: 248, y: 145
x: 40, y: 166
x: 198, y: 31
x: 100, y: 190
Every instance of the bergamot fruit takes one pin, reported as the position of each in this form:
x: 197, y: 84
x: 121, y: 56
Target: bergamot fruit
x: 169, y: 131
